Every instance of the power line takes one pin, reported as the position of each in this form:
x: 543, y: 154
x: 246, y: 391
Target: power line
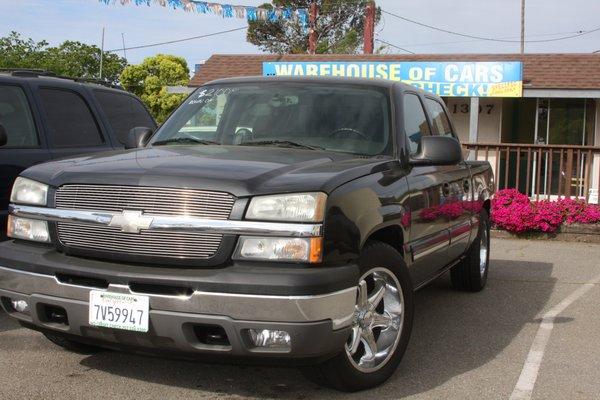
x: 177, y: 40
x: 393, y: 45
x: 577, y: 34
x: 403, y: 47
x: 477, y: 40
x: 580, y: 33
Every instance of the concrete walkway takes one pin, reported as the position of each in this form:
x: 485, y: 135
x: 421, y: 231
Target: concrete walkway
x: 464, y: 346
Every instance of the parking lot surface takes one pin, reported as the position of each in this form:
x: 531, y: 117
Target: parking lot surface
x: 463, y: 346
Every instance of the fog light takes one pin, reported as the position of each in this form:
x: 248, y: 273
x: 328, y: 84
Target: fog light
x: 270, y: 339
x: 20, y: 306
x: 28, y: 229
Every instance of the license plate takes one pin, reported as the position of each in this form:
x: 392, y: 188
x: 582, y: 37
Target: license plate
x: 119, y: 311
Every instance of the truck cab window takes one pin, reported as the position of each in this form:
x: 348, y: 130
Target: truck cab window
x: 341, y: 118
x: 15, y: 116
x: 415, y: 122
x: 439, y: 119
x: 204, y: 125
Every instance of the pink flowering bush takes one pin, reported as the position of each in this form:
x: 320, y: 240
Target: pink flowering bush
x: 512, y: 211
x: 515, y: 212
x: 547, y: 215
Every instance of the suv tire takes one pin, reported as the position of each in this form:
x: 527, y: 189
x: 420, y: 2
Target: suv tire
x: 471, y: 273
x: 384, y: 318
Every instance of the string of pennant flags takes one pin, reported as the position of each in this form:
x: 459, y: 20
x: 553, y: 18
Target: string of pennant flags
x: 249, y: 13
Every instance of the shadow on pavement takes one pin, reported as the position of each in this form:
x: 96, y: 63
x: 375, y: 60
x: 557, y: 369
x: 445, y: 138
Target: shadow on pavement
x: 7, y: 323
x: 453, y: 333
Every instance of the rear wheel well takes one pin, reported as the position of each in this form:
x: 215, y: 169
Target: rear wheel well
x: 391, y: 235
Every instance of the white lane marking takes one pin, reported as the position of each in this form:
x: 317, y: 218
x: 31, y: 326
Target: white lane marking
x: 524, y: 387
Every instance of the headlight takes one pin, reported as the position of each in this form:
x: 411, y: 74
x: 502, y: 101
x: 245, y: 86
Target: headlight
x: 279, y: 249
x: 28, y: 229
x: 27, y: 191
x: 298, y: 207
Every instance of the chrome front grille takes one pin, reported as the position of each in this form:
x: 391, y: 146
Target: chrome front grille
x: 155, y: 243
x: 152, y: 201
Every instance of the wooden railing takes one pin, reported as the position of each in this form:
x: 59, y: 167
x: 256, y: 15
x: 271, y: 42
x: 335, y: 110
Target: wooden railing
x: 541, y: 171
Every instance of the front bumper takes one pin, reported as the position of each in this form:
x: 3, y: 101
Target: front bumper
x: 318, y: 323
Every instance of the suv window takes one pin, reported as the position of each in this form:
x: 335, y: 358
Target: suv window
x: 439, y: 119
x: 69, y: 119
x: 123, y: 112
x: 15, y: 116
x: 415, y: 122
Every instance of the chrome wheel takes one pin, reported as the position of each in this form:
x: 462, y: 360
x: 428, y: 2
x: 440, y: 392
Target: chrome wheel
x: 483, y: 249
x: 378, y: 320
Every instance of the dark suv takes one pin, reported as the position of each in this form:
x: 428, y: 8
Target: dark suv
x: 44, y: 117
x: 279, y: 219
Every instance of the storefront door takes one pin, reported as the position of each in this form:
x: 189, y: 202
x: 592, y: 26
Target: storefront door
x: 562, y: 122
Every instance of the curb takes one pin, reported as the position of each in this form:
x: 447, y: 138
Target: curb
x: 579, y: 233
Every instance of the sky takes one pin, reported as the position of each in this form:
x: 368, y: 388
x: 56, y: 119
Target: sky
x: 58, y: 20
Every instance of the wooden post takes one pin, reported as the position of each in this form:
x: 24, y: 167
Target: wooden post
x: 522, y: 27
x: 369, y: 28
x: 474, y: 124
x: 569, y: 173
x: 312, y: 33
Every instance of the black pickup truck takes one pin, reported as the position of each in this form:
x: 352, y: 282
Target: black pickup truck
x: 273, y: 219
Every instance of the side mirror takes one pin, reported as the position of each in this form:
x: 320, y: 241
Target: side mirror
x: 438, y: 150
x: 138, y: 137
x: 3, y: 136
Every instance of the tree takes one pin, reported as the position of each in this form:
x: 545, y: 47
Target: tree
x: 16, y: 52
x: 81, y: 60
x: 149, y: 81
x: 71, y: 58
x: 339, y: 28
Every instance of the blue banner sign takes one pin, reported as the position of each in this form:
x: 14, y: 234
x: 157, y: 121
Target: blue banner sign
x: 451, y: 79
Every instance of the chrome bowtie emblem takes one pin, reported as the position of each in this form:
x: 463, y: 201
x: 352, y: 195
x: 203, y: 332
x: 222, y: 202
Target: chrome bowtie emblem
x: 131, y: 221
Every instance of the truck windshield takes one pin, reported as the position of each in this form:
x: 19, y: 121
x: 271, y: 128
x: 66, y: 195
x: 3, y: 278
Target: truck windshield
x: 336, y: 117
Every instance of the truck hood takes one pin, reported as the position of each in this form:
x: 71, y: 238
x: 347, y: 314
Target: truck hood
x: 239, y: 170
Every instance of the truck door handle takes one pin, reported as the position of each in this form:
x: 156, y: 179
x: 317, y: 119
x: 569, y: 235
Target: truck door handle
x: 446, y: 189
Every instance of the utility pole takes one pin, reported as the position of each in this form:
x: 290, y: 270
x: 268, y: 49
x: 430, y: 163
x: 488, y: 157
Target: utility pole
x: 124, y: 51
x: 312, y: 33
x: 101, y: 53
x: 522, y: 27
x: 369, y: 28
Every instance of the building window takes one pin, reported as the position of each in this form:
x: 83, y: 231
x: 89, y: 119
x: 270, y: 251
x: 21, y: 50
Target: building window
x: 566, y: 122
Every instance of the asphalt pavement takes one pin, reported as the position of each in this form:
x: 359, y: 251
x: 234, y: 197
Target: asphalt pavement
x: 463, y: 346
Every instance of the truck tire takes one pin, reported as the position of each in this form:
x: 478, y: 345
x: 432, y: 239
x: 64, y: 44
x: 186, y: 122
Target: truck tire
x: 72, y: 345
x: 471, y: 273
x: 381, y: 327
